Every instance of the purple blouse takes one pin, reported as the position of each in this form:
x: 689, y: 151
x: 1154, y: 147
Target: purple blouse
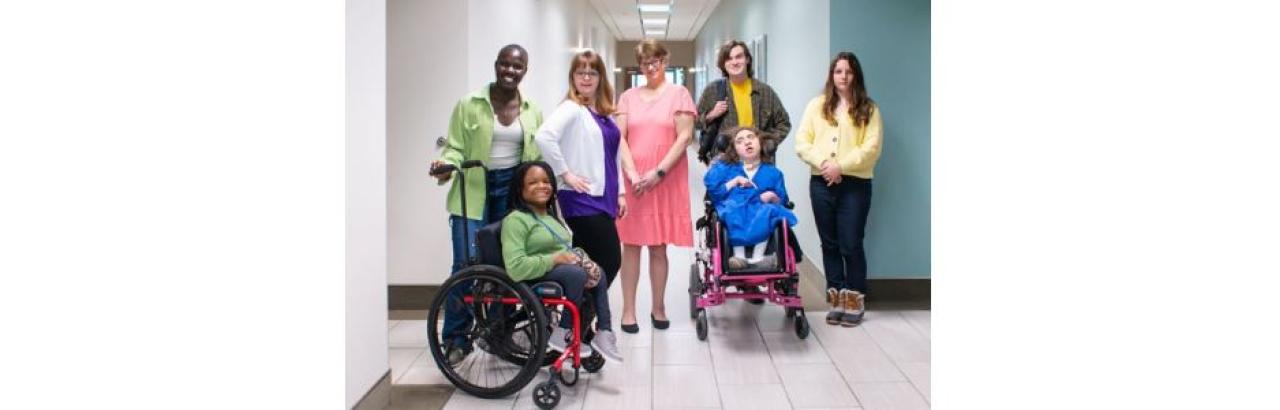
x: 574, y: 203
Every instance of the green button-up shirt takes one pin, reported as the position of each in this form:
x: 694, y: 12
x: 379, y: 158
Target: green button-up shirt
x: 471, y: 136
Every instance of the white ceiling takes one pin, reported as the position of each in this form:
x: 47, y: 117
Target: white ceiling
x: 682, y: 24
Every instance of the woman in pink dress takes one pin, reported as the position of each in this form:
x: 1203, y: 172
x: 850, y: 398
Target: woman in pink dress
x: 656, y: 121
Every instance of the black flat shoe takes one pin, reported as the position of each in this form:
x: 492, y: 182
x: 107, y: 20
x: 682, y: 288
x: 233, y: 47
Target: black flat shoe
x: 631, y: 328
x: 659, y: 324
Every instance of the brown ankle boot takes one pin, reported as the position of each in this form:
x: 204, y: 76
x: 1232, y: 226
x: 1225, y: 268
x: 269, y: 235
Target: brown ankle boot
x: 836, y: 313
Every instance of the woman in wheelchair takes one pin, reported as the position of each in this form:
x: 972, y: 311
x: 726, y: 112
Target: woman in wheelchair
x: 534, y: 247
x: 748, y: 193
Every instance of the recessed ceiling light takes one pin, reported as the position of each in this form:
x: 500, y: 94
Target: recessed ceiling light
x: 655, y: 22
x: 654, y: 31
x: 655, y: 8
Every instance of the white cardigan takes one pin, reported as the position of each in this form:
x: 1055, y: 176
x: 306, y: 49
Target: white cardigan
x: 570, y: 139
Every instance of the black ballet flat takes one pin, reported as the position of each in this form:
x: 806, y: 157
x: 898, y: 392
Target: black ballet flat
x: 659, y: 324
x: 631, y: 328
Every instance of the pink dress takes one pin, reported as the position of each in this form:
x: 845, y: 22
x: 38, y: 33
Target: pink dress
x: 660, y: 216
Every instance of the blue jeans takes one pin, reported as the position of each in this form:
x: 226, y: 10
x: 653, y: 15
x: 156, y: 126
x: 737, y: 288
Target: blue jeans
x: 574, y: 281
x: 840, y: 213
x: 456, y: 321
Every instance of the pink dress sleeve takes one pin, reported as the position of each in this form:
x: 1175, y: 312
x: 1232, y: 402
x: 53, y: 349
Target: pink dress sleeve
x: 683, y: 102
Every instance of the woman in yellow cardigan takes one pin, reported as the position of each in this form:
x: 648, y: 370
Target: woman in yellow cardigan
x: 840, y: 138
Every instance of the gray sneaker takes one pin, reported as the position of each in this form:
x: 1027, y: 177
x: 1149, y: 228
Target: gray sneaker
x: 454, y: 355
x: 559, y: 340
x: 606, y: 343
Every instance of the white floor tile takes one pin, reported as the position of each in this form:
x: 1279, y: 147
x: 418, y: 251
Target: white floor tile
x: 901, y: 341
x: 857, y: 355
x: 618, y: 397
x: 893, y: 395
x: 786, y: 348
x: 737, y: 363
x: 636, y: 369
x: 422, y: 371
x: 462, y: 401
x: 684, y: 386
x: 670, y: 347
x: 759, y: 397
x: 918, y: 373
x: 400, y: 359
x: 816, y: 385
x: 920, y: 319
x: 408, y: 334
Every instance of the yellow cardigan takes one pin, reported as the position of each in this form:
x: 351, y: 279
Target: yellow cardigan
x: 855, y: 149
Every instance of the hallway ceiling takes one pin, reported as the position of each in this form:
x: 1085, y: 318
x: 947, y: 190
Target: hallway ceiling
x: 682, y: 23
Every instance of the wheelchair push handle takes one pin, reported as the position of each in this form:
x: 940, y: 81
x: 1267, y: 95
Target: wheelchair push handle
x: 447, y: 168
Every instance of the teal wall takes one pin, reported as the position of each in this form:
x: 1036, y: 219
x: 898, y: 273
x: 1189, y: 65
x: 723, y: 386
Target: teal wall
x: 891, y: 40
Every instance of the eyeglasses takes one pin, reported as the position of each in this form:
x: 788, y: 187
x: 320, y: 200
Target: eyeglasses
x: 653, y: 63
x: 586, y: 74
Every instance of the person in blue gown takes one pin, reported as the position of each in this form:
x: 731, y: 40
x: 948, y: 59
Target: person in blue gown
x: 749, y: 194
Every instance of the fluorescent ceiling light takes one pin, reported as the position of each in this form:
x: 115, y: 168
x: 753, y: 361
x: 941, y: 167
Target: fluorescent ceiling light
x: 655, y: 8
x: 655, y: 22
x: 654, y: 31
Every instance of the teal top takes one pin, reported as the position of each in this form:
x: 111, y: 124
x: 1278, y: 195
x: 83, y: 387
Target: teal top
x: 471, y: 136
x: 527, y: 246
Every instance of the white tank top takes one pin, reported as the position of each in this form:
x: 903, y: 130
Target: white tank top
x: 507, y: 143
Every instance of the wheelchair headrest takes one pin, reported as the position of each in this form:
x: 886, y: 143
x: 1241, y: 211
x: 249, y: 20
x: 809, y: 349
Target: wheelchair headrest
x: 489, y: 242
x: 768, y: 143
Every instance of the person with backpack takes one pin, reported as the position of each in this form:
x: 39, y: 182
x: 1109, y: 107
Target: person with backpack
x: 737, y: 100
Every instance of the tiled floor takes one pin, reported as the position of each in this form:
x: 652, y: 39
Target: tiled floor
x: 751, y: 360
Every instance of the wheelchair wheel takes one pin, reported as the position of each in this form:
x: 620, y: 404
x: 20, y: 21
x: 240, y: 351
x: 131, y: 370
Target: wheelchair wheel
x: 546, y: 395
x: 695, y: 290
x: 491, y: 332
x: 593, y: 363
x: 802, y: 325
x: 701, y: 325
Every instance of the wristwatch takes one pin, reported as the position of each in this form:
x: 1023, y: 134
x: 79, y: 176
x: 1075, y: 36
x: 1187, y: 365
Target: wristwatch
x: 661, y: 173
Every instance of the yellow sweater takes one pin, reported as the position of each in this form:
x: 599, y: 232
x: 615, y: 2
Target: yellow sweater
x: 855, y: 149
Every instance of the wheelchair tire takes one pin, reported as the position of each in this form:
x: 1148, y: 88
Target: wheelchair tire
x: 546, y: 395
x: 695, y: 290
x: 802, y: 325
x: 701, y: 324
x: 593, y: 363
x: 485, y: 370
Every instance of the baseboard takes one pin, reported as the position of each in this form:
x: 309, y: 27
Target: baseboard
x: 378, y: 397
x: 411, y: 297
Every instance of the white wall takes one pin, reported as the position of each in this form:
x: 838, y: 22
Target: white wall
x: 366, y: 247
x: 798, y: 53
x: 437, y: 52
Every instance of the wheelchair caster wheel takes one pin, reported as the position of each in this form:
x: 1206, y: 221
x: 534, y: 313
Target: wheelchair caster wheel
x: 568, y: 380
x: 695, y: 290
x: 701, y: 325
x: 802, y: 325
x: 593, y: 363
x: 546, y: 395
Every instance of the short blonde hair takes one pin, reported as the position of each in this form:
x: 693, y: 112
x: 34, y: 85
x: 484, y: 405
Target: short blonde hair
x: 649, y: 48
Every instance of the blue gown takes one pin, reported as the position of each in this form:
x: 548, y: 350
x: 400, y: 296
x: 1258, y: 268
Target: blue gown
x: 750, y: 221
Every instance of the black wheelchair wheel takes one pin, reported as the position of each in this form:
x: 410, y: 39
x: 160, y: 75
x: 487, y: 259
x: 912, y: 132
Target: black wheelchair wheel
x: 546, y: 395
x: 695, y: 290
x: 593, y: 363
x: 802, y: 325
x: 701, y: 324
x: 492, y: 333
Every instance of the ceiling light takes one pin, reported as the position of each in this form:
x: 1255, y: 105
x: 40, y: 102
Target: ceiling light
x: 655, y: 22
x: 654, y: 31
x: 655, y: 8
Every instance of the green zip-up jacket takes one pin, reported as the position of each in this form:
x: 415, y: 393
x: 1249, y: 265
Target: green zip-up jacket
x: 528, y: 247
x: 470, y: 137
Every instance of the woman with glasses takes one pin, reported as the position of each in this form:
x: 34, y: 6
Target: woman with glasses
x: 656, y: 123
x: 581, y: 143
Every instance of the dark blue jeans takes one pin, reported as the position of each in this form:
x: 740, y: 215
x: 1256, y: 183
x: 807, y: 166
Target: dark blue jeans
x: 840, y: 213
x: 456, y: 321
x: 574, y: 281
